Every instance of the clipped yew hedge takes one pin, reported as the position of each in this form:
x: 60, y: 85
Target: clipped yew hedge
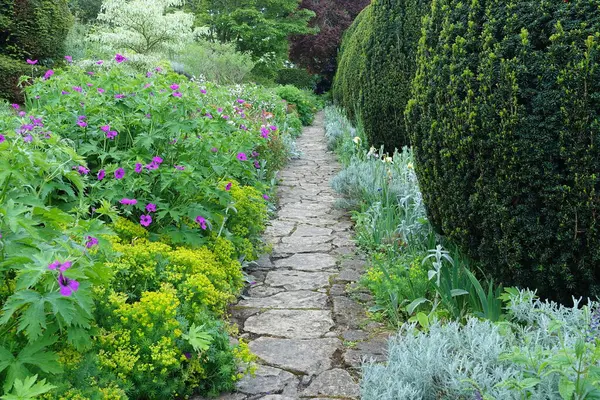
x: 377, y: 63
x: 505, y: 120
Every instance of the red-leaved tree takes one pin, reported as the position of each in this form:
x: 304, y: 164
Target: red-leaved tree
x: 317, y: 53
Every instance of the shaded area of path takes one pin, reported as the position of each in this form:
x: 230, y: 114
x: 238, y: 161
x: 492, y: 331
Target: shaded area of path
x: 304, y: 317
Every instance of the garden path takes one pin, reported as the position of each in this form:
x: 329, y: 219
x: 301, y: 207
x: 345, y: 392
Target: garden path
x: 304, y: 317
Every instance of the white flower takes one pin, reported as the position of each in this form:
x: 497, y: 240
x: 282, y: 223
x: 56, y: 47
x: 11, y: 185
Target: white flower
x: 356, y: 140
x: 372, y: 151
x: 410, y: 165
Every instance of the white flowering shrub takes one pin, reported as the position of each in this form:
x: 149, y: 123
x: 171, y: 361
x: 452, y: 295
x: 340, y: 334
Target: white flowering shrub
x: 144, y: 27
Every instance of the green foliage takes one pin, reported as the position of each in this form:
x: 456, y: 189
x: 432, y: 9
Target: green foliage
x: 85, y: 11
x: 506, y: 119
x: 301, y: 101
x: 376, y: 66
x: 216, y: 62
x: 10, y: 72
x: 28, y: 389
x: 298, y: 77
x: 542, y: 351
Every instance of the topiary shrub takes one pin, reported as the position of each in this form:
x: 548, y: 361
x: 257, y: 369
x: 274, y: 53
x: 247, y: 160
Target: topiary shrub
x: 300, y: 100
x: 376, y: 67
x: 506, y: 120
x: 298, y: 77
x: 34, y: 29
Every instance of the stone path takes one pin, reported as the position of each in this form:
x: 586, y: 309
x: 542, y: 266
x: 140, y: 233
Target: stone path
x: 304, y: 316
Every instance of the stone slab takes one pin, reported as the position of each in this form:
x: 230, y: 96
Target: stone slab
x: 267, y: 380
x: 306, y: 356
x: 297, y: 280
x: 333, y: 383
x: 292, y: 324
x: 311, y: 231
x: 307, y: 262
x: 295, y: 299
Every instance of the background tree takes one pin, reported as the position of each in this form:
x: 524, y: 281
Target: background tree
x: 318, y: 52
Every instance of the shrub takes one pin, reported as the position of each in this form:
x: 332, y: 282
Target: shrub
x: 506, y: 120
x: 10, y: 72
x: 300, y: 100
x: 494, y: 361
x: 297, y: 77
x: 376, y: 66
x: 216, y: 62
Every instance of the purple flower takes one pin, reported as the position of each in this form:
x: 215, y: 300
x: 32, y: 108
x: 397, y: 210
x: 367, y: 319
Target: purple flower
x: 100, y: 90
x: 64, y: 92
x: 174, y: 86
x: 91, y: 242
x: 119, y: 173
x: 67, y: 286
x: 177, y: 94
x: 138, y: 168
x: 157, y: 160
x: 242, y: 157
x: 243, y: 127
x: 151, y: 207
x: 148, y: 115
x: 65, y: 266
x: 54, y: 265
x: 225, y: 117
x: 111, y: 134
x: 128, y: 202
x: 264, y: 132
x: 147, y: 85
x: 180, y: 167
x: 89, y: 84
x: 201, y: 221
x: 273, y: 128
x: 22, y: 113
x: 48, y: 74
x: 105, y: 128
x: 77, y: 88
x: 31, y: 62
x: 82, y: 170
x: 28, y: 138
x: 119, y: 96
x: 100, y: 62
x: 82, y: 123
x: 15, y: 106
x: 266, y: 197
x: 119, y: 58
x: 152, y: 166
x: 101, y: 174
x: 69, y: 59
x: 90, y: 73
x: 2, y: 138
x: 203, y: 91
x: 220, y: 110
x: 208, y: 115
x: 145, y: 220
x: 240, y: 101
x: 255, y: 154
x: 228, y: 186
x: 148, y: 74
x: 214, y: 149
x: 158, y: 69
x: 256, y: 165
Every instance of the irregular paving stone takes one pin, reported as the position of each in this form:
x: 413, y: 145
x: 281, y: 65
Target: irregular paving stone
x: 263, y: 291
x: 374, y: 349
x: 337, y: 290
x: 280, y: 228
x: 297, y: 280
x: 293, y: 324
x: 347, y: 312
x: 311, y: 231
x: 348, y: 275
x: 307, y: 356
x: 294, y: 299
x: 354, y: 335
x: 335, y: 382
x: 267, y: 380
x: 226, y: 396
x: 301, y: 246
x: 307, y: 262
x: 263, y: 262
x: 277, y: 397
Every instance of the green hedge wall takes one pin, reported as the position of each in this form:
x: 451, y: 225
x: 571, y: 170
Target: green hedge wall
x: 376, y: 67
x: 298, y: 77
x: 506, y: 125
x: 34, y: 29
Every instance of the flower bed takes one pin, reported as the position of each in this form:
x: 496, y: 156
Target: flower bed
x: 128, y: 205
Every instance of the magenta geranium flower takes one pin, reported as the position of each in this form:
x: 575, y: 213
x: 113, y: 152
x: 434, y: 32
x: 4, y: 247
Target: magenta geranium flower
x: 228, y: 186
x: 82, y: 123
x: 82, y: 170
x: 105, y: 128
x: 256, y: 165
x: 69, y: 59
x: 157, y: 160
x: 48, y: 74
x: 77, y: 88
x: 31, y: 62
x: 15, y: 106
x: 203, y: 91
x: 65, y: 266
x: 174, y: 86
x: 241, y: 101
x: 91, y: 242
x: 214, y: 149
x: 119, y: 58
x: 2, y: 138
x: 177, y: 94
x: 128, y: 202
x: 53, y: 265
x: 151, y: 207
x: 242, y: 157
x: 111, y: 134
x: 100, y: 90
x: 145, y: 220
x: 119, y: 96
x: 28, y: 138
x: 180, y: 167
x: 67, y: 286
x: 264, y: 132
x: 225, y: 117
x: 100, y: 62
x: 22, y: 113
x: 220, y: 109
x: 119, y: 173
x: 208, y: 115
x: 200, y: 220
x: 273, y: 128
x: 266, y: 196
x: 101, y: 174
x: 138, y: 168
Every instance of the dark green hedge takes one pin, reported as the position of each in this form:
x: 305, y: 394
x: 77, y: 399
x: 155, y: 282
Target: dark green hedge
x: 376, y: 66
x: 34, y: 29
x: 10, y: 72
x: 298, y: 77
x: 506, y: 126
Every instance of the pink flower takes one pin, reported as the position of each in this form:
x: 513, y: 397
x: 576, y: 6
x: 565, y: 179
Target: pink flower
x: 77, y: 89
x: 100, y: 62
x: 273, y: 128
x: 111, y: 135
x: 2, y: 138
x: 105, y: 128
x: 48, y: 74
x: 201, y: 221
x: 31, y: 62
x: 203, y: 91
x: 119, y: 58
x: 180, y: 167
x: 266, y: 197
x: 242, y: 157
x: 228, y: 186
x: 82, y: 124
x: 145, y: 220
x: 119, y: 96
x: 101, y: 174
x: 219, y: 109
x: 128, y: 202
x: 119, y: 173
x: 15, y: 106
x: 157, y: 160
x: 54, y: 265
x: 69, y: 59
x: 240, y: 101
x: 151, y: 207
x: 264, y: 132
x: 214, y: 149
x: 67, y: 286
x: 100, y: 90
x: 177, y: 94
x: 174, y: 86
x: 138, y: 168
x: 91, y: 242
